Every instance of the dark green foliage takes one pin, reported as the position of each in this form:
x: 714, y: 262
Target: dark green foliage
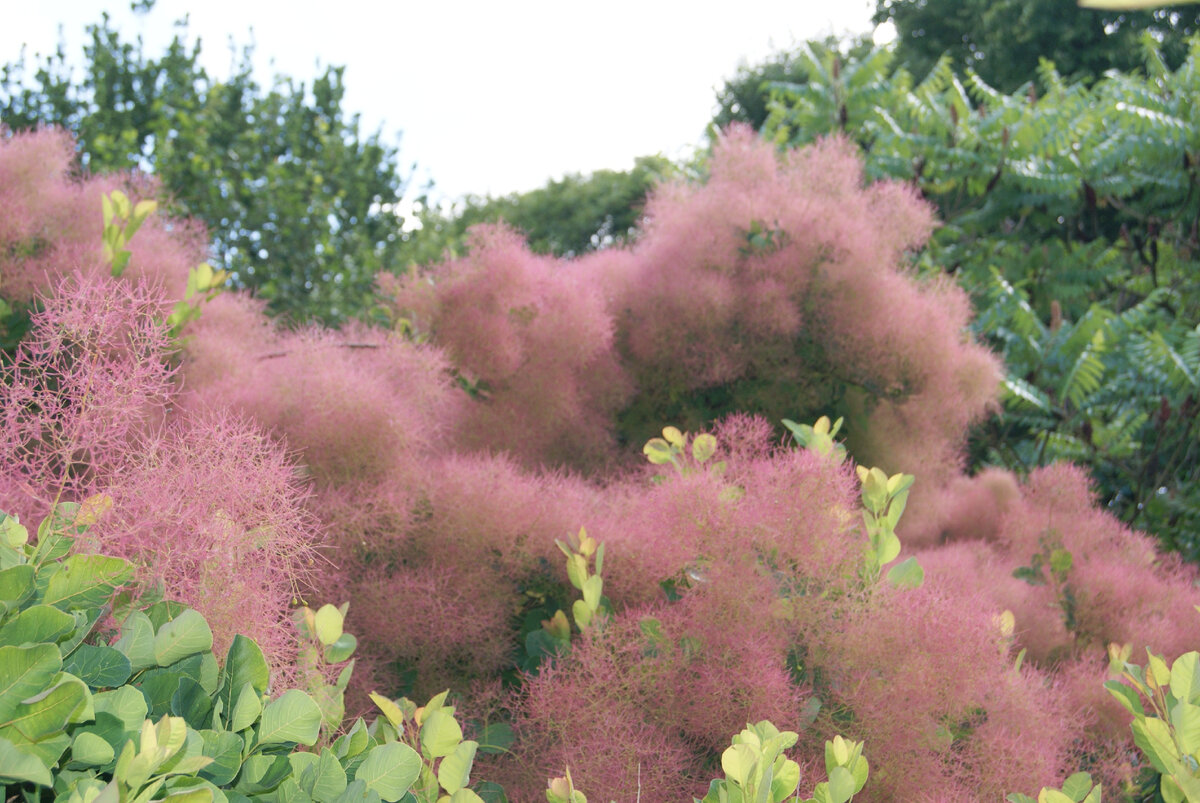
x: 298, y: 201
x: 1003, y: 40
x: 566, y: 217
x: 744, y: 98
x: 1070, y: 215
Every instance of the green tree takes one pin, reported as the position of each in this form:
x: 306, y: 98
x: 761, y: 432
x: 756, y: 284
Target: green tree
x: 1002, y: 40
x: 568, y: 216
x: 298, y: 202
x: 744, y: 98
x: 1070, y: 215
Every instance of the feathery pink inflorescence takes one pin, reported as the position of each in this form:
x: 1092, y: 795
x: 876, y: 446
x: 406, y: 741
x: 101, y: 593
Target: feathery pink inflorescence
x: 51, y: 222
x: 213, y: 513
x: 535, y: 341
x: 89, y: 376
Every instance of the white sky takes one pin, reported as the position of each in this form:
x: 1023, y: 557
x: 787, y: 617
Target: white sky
x: 484, y: 96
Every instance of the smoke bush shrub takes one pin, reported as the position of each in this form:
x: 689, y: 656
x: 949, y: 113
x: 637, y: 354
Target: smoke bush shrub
x: 778, y: 286
x: 51, y: 221
x: 91, y: 373
x: 211, y: 509
x: 530, y: 341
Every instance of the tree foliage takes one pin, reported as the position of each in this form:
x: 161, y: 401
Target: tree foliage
x: 566, y: 217
x: 1003, y: 41
x: 1070, y: 214
x: 298, y: 201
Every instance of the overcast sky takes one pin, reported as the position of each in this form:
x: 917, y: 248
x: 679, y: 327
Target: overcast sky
x: 485, y: 97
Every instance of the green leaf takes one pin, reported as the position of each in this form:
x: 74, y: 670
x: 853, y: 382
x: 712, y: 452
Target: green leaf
x: 16, y: 582
x: 246, y: 710
x: 1053, y: 796
x: 454, y: 773
x: 592, y: 588
x: 38, y: 624
x: 126, y: 704
x: 328, y: 622
x: 191, y: 702
x: 1152, y: 736
x: 1185, y: 718
x: 582, y: 614
x: 244, y: 663
x: 341, y: 649
x: 185, y: 635
x: 786, y: 779
x: 86, y: 581
x: 225, y: 750
x: 294, y: 717
x: 91, y: 750
x: 19, y: 766
x: 1077, y: 786
x: 389, y: 770
x: 704, y: 447
x: 24, y: 672
x: 49, y: 712
x: 137, y: 641
x: 440, y: 734
x: 888, y: 547
x: 99, y: 667
x: 738, y: 761
x: 496, y: 737
x: 1126, y: 697
x: 13, y: 533
x: 906, y: 574
x: 658, y: 451
x: 841, y: 785
x: 330, y: 778
x: 1185, y: 678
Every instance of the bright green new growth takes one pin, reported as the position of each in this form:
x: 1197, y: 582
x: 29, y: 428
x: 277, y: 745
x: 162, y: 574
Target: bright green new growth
x: 122, y: 219
x: 152, y: 716
x: 819, y: 437
x: 756, y: 769
x: 672, y: 448
x: 428, y: 743
x: 1169, y: 732
x: 580, y: 550
x: 883, y: 498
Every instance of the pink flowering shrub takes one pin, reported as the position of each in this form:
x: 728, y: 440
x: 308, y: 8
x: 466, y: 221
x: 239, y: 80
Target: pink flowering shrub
x: 778, y: 286
x: 424, y: 476
x: 89, y: 376
x: 211, y: 511
x: 531, y: 341
x: 51, y: 222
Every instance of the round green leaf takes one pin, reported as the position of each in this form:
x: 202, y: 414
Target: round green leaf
x: 98, y: 666
x: 91, y: 750
x: 38, y: 624
x: 389, y: 770
x: 704, y: 447
x: 841, y: 785
x: 16, y: 765
x: 738, y: 762
x: 186, y: 634
x: 294, y: 717
x: 328, y: 622
x: 341, y: 649
x: 16, y: 582
x: 440, y: 734
x: 906, y: 574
